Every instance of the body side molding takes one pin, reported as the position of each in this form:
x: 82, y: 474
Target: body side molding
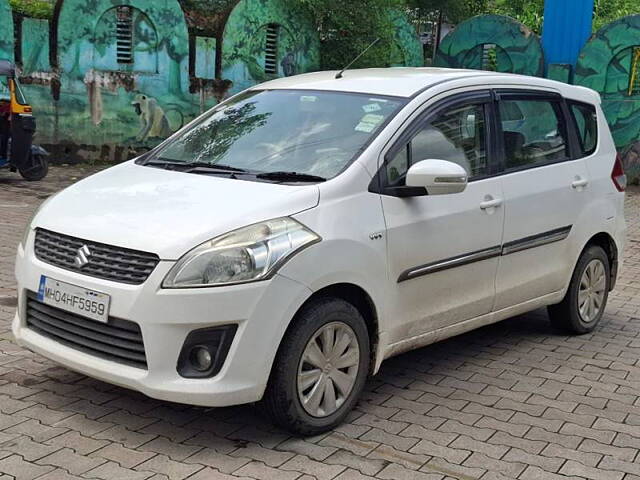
x: 533, y: 241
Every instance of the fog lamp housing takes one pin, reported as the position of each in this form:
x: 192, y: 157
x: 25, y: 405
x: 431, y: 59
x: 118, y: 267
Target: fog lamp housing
x: 204, y: 351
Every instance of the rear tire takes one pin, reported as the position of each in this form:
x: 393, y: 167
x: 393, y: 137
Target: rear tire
x: 38, y: 171
x: 344, y: 355
x: 584, y: 303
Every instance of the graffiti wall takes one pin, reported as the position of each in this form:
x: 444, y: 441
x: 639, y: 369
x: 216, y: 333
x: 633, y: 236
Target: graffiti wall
x: 492, y: 42
x: 111, y: 78
x: 266, y: 39
x: 122, y: 76
x: 609, y: 63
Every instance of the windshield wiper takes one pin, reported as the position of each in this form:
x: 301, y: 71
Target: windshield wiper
x: 201, y: 167
x: 194, y: 167
x: 290, y: 177
x: 159, y: 162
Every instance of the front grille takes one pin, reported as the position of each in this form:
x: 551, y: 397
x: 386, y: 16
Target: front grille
x: 118, y: 340
x: 104, y: 261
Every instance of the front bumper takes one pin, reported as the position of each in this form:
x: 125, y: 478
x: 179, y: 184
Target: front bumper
x: 262, y: 311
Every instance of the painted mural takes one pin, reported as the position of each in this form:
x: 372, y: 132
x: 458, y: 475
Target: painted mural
x: 6, y: 32
x: 124, y: 73
x: 119, y: 76
x: 266, y: 39
x: 610, y: 64
x: 492, y: 42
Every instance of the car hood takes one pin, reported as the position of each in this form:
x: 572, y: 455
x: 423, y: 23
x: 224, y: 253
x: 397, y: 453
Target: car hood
x: 166, y: 212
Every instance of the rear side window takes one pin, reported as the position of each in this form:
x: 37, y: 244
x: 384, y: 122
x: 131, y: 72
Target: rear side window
x: 535, y: 137
x: 586, y: 120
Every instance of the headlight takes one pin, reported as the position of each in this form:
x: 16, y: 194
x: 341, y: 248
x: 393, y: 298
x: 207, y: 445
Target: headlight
x: 244, y: 255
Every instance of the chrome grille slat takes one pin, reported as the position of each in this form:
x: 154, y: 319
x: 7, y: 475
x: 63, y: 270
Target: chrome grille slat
x: 106, y: 261
x: 118, y: 340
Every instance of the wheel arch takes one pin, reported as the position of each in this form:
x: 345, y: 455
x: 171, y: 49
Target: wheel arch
x: 360, y: 299
x: 608, y: 244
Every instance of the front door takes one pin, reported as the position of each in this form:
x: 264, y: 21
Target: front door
x: 443, y: 250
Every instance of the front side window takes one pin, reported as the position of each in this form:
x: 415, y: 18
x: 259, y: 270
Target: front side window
x: 307, y: 132
x: 457, y: 134
x: 537, y: 136
x: 586, y: 121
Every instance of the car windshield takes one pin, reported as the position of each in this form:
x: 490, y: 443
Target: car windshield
x: 312, y: 133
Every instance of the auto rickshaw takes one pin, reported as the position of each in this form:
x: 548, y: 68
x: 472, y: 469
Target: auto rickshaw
x: 20, y: 125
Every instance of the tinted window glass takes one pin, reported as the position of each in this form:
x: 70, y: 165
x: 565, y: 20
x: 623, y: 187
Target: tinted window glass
x: 457, y: 134
x: 587, y: 125
x: 397, y: 168
x: 316, y: 133
x: 538, y: 137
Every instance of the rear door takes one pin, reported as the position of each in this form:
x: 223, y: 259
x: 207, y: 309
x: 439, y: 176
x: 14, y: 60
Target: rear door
x: 545, y: 185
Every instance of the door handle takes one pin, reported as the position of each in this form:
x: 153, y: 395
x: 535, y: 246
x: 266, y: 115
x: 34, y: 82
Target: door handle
x: 491, y: 203
x: 580, y: 183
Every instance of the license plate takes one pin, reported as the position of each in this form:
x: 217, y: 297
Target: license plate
x: 74, y: 299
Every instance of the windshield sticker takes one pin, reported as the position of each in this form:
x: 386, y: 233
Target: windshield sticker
x: 308, y: 98
x: 369, y: 123
x: 372, y: 107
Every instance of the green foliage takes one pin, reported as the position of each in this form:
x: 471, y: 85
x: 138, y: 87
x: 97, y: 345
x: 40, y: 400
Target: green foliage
x: 33, y: 8
x: 529, y: 12
x: 454, y: 11
x: 348, y: 27
x: 607, y: 11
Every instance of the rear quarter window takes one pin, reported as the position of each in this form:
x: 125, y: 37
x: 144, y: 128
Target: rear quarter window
x: 586, y: 122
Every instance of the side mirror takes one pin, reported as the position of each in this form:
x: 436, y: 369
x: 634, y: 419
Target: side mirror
x: 439, y: 177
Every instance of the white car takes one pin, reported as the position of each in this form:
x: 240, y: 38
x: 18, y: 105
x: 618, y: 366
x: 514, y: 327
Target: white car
x: 285, y: 243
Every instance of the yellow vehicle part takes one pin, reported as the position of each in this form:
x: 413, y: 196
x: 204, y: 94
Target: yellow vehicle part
x: 18, y: 104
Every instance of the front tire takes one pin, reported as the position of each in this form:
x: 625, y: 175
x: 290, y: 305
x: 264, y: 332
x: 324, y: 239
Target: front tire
x: 320, y: 369
x: 583, y: 305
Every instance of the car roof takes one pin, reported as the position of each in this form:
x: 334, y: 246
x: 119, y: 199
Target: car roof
x: 408, y: 81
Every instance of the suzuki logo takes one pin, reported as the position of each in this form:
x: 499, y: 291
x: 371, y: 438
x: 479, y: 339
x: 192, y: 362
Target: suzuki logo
x: 82, y: 257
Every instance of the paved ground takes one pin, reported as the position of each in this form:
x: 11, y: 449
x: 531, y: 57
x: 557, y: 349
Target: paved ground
x: 513, y: 400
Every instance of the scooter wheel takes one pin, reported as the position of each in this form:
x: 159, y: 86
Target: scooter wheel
x: 38, y: 171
